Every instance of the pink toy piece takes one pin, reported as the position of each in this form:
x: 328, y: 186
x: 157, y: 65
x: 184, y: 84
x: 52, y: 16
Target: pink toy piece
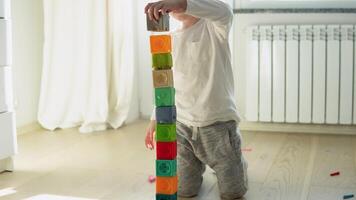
x: 151, y: 179
x: 246, y: 149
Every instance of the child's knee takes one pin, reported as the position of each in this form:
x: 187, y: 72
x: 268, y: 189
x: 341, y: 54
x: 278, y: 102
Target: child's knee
x: 190, y: 180
x: 234, y: 196
x: 189, y: 188
x: 234, y: 190
x: 232, y: 180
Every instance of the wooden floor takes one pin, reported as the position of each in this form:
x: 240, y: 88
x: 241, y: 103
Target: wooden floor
x: 115, y: 165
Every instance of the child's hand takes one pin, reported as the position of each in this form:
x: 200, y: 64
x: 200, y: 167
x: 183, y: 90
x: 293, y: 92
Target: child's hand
x: 164, y: 7
x: 150, y: 131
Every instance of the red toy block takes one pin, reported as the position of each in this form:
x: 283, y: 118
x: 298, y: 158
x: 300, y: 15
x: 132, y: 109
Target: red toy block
x: 166, y: 150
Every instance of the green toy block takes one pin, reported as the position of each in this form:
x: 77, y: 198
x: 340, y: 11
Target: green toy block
x: 162, y: 61
x: 166, y: 167
x: 166, y: 133
x: 165, y: 96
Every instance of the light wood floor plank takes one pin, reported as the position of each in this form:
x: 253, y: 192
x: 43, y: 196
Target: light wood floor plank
x: 309, y: 168
x: 247, y: 138
x: 324, y: 193
x: 115, y: 165
x: 265, y: 148
x: 335, y: 153
x: 287, y: 176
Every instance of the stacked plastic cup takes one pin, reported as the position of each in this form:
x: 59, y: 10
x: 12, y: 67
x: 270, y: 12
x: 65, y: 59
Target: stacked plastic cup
x: 166, y: 137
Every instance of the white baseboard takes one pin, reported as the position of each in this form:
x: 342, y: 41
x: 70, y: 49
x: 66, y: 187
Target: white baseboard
x: 298, y: 128
x: 29, y: 128
x: 6, y: 164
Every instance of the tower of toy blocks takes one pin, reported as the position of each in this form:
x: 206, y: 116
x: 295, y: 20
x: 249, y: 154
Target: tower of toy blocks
x: 166, y: 163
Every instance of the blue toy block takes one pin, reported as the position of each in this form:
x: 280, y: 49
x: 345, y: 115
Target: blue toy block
x: 166, y: 197
x: 349, y: 196
x: 166, y: 115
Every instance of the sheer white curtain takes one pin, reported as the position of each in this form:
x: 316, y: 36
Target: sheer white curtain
x: 88, y: 77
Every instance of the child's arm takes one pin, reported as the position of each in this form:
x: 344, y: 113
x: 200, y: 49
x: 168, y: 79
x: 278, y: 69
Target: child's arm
x: 215, y: 11
x: 150, y: 132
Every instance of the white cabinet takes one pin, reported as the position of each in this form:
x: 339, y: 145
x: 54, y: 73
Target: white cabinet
x: 4, y: 8
x: 5, y: 42
x: 6, y: 99
x: 8, y: 144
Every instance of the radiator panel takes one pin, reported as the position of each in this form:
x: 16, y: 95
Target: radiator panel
x: 319, y: 75
x: 333, y: 65
x: 354, y: 80
x: 278, y: 78
x: 305, y: 74
x: 346, y: 75
x: 252, y: 79
x: 302, y: 74
x: 265, y: 76
x: 292, y: 71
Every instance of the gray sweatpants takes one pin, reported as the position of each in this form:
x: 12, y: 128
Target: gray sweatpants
x: 219, y: 147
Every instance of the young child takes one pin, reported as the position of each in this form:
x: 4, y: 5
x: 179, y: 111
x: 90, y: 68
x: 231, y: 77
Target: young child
x: 207, y: 119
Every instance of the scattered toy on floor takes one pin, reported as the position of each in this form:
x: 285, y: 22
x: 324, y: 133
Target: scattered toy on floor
x: 335, y: 173
x: 246, y: 149
x: 151, y: 179
x: 349, y: 196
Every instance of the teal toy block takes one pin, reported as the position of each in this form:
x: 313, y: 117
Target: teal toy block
x: 166, y: 133
x: 166, y: 197
x: 162, y: 61
x: 165, y: 96
x: 166, y: 167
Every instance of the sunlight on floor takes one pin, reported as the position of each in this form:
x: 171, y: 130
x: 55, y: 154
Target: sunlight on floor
x: 7, y: 191
x: 54, y: 197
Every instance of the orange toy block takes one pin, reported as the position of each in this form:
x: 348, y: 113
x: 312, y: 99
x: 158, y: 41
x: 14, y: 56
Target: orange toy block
x: 160, y: 44
x: 167, y: 185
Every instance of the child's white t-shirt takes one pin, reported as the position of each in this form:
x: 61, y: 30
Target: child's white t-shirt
x: 202, y: 68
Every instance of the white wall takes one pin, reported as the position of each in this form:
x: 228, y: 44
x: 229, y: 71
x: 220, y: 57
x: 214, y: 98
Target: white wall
x: 27, y: 58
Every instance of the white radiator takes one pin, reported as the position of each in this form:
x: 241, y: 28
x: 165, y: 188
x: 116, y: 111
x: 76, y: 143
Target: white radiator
x: 301, y: 74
